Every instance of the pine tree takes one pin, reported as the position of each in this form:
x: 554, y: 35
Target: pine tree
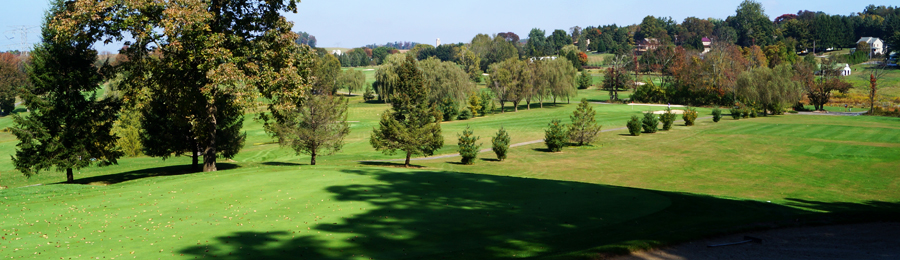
x: 584, y: 128
x: 67, y: 129
x: 555, y: 136
x: 318, y: 125
x: 650, y: 122
x: 500, y: 144
x: 467, y: 147
x: 475, y: 104
x: 412, y: 125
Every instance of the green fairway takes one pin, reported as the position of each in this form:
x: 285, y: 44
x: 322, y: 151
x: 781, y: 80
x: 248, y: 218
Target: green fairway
x: 622, y: 193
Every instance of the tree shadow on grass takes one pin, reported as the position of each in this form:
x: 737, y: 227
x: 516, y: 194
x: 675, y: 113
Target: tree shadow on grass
x: 284, y: 164
x: 399, y: 164
x: 424, y: 214
x: 145, y: 173
x: 490, y: 159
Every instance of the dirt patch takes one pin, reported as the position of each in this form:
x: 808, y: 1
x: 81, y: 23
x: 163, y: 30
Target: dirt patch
x: 855, y: 241
x: 679, y: 111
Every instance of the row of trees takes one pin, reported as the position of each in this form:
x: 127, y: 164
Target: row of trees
x: 12, y: 80
x: 190, y: 81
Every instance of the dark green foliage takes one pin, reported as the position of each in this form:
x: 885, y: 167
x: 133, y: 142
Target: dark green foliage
x: 735, y: 113
x: 689, y: 116
x: 650, y: 122
x: 412, y: 125
x: 745, y: 112
x: 12, y: 79
x: 717, y: 114
x: 370, y: 94
x: 584, y: 128
x: 467, y: 147
x: 634, y: 126
x: 475, y: 104
x: 449, y: 108
x: 67, y: 129
x: 857, y: 57
x: 649, y: 93
x: 487, y: 102
x: 752, y: 112
x: 555, y: 136
x: 585, y: 80
x: 668, y: 119
x: 500, y: 144
x: 465, y: 114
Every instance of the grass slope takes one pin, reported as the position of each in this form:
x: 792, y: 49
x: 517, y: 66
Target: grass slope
x: 623, y: 193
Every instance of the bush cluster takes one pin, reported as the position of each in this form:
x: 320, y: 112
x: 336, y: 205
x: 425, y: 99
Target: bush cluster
x: 735, y: 113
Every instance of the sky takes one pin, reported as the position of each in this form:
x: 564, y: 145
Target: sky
x: 351, y: 23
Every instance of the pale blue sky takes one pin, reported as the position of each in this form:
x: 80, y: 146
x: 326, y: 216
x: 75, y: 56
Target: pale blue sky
x: 350, y: 23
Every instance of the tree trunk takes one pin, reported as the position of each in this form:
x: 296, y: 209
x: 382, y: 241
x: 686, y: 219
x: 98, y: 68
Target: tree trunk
x: 528, y: 104
x: 312, y: 161
x: 70, y: 177
x: 408, y: 155
x: 209, y: 155
x: 515, y: 106
x: 195, y: 163
x: 502, y: 106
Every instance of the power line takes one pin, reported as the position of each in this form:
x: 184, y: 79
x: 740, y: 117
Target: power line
x: 22, y: 32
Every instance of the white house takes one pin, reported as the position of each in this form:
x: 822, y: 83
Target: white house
x: 875, y: 43
x: 846, y: 70
x: 336, y: 52
x: 707, y: 44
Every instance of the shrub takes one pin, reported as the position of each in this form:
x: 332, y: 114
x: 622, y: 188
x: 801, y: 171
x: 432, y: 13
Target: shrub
x: 689, y: 116
x: 487, y: 103
x: 634, y: 126
x: 585, y: 80
x: 475, y: 104
x: 555, y: 137
x: 717, y: 114
x: 464, y: 114
x: 649, y: 93
x: 467, y: 147
x: 500, y: 144
x: 800, y: 107
x: 448, y: 109
x: 668, y: 119
x: 735, y: 113
x: 745, y: 112
x: 370, y: 94
x: 650, y: 122
x: 777, y: 109
x: 584, y: 128
x: 752, y: 112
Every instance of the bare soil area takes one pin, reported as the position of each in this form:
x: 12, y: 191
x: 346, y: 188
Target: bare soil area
x: 855, y: 241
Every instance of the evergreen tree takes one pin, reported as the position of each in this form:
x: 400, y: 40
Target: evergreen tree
x: 634, y: 126
x: 412, y: 125
x: 584, y: 128
x: 650, y: 122
x: 317, y: 125
x: 500, y: 144
x: 475, y: 105
x: 555, y: 136
x: 68, y: 128
x: 467, y: 147
x: 668, y: 119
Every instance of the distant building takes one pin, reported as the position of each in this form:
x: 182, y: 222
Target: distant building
x: 846, y: 70
x: 875, y: 43
x: 336, y: 52
x: 437, y: 43
x: 646, y: 45
x: 707, y: 44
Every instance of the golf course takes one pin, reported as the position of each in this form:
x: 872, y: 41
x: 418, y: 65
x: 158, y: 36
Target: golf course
x: 622, y: 193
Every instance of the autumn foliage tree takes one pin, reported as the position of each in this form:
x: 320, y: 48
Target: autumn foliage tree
x: 819, y: 89
x: 214, y: 55
x: 12, y: 79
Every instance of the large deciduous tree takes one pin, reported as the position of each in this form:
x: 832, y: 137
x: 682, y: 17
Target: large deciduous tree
x: 772, y: 89
x: 210, y: 54
x: 68, y: 127
x: 352, y: 80
x: 819, y: 89
x: 511, y: 81
x: 12, y: 79
x: 445, y: 79
x: 412, y: 125
x: 752, y: 24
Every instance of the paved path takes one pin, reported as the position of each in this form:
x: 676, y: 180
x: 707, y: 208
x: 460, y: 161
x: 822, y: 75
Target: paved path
x: 489, y: 149
x: 831, y: 113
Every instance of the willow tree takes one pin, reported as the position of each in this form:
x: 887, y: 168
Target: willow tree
x: 510, y: 80
x: 772, y: 89
x: 68, y: 128
x: 205, y: 56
